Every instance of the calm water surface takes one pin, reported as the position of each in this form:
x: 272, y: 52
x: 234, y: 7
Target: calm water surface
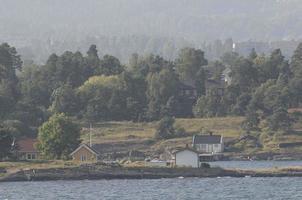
x: 163, y: 189
x: 255, y: 164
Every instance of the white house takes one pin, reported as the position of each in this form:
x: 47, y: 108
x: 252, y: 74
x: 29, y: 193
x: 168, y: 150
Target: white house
x: 208, y: 143
x: 226, y: 75
x: 186, y: 158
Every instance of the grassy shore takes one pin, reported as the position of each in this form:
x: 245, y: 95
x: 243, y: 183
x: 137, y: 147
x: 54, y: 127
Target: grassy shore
x: 118, y: 131
x: 140, y: 136
x: 101, y: 171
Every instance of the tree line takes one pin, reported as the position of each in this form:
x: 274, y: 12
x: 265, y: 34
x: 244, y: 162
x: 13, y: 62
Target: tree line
x: 92, y: 88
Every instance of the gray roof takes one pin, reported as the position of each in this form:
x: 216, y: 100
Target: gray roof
x: 97, y: 147
x: 183, y: 149
x: 207, y: 139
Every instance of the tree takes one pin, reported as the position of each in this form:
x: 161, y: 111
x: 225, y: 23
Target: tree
x: 110, y: 65
x: 6, y: 140
x: 161, y: 86
x: 230, y: 58
x: 10, y: 62
x: 272, y: 67
x: 252, y: 120
x: 189, y: 62
x: 116, y: 97
x: 253, y: 54
x: 165, y: 128
x: 280, y: 120
x: 36, y: 86
x: 201, y: 82
x: 64, y: 100
x: 93, y: 61
x: 296, y: 61
x: 209, y: 106
x: 244, y: 74
x: 58, y: 137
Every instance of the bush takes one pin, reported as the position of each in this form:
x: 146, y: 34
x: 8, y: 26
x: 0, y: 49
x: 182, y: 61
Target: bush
x: 166, y: 129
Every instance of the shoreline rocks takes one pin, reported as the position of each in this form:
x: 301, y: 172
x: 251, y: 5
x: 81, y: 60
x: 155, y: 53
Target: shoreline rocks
x: 96, y: 173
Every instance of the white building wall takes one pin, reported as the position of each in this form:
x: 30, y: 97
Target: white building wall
x: 209, y: 148
x: 186, y: 158
x: 217, y: 148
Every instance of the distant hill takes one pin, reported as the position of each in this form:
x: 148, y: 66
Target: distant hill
x: 195, y: 19
x: 47, y: 26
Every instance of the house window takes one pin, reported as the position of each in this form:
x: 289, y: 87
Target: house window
x: 203, y: 147
x: 83, y: 157
x: 30, y: 156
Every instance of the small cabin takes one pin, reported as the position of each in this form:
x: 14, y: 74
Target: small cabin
x: 26, y: 149
x: 208, y: 143
x: 85, y: 153
x: 215, y: 87
x: 188, y: 91
x: 186, y: 157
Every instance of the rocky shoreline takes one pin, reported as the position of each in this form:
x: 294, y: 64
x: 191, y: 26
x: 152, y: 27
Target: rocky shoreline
x: 99, y: 172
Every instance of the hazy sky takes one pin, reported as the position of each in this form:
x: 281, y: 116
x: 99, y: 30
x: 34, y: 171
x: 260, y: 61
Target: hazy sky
x: 194, y: 19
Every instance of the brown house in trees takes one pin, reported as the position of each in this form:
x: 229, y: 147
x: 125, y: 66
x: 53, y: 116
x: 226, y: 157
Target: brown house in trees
x: 26, y: 149
x: 85, y: 153
x: 215, y: 87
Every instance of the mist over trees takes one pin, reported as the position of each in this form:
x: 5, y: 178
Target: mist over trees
x: 161, y: 27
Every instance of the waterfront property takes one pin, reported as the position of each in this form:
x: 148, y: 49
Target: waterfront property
x: 208, y: 143
x: 85, y: 153
x: 26, y: 149
x: 186, y: 157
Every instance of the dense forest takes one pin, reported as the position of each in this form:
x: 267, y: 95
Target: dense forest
x: 92, y: 88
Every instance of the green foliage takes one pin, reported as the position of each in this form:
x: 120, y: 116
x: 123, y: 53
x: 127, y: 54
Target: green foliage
x: 10, y: 62
x: 64, y: 100
x: 6, y: 140
x: 296, y: 61
x: 244, y: 74
x: 279, y: 120
x: 262, y: 87
x: 97, y: 92
x: 58, y: 137
x: 209, y: 106
x: 110, y: 65
x: 18, y: 129
x: 189, y: 63
x: 166, y: 130
x: 252, y: 120
x: 162, y: 84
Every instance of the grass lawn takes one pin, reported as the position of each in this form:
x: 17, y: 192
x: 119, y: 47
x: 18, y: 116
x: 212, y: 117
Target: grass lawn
x: 139, y: 133
x: 120, y: 131
x: 22, y: 165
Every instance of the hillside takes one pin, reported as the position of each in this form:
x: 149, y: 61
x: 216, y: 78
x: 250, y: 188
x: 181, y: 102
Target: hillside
x: 121, y: 131
x: 125, y: 136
